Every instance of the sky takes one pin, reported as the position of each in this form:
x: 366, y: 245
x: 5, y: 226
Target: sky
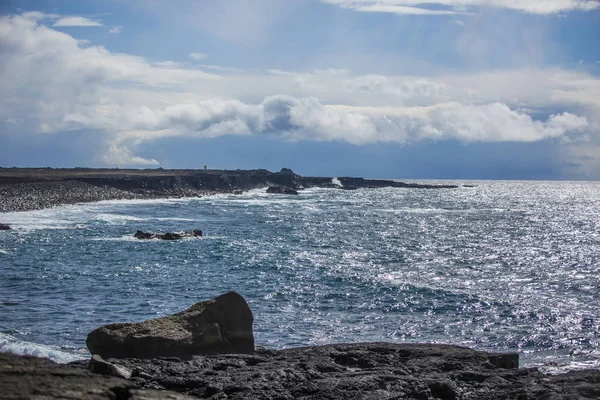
x: 436, y: 89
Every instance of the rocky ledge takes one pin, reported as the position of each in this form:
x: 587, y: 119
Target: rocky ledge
x: 23, y: 189
x: 38, y: 378
x: 338, y: 371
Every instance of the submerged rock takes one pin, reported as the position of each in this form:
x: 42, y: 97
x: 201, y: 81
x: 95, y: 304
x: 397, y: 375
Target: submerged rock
x: 281, y: 190
x: 167, y: 236
x: 4, y: 227
x: 221, y: 325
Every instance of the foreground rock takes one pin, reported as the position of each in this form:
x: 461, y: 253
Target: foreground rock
x: 360, y: 371
x: 4, y: 227
x: 167, y: 236
x: 221, y: 325
x: 39, y: 378
x: 281, y: 190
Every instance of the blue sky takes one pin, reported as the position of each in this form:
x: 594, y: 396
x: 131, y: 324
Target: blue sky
x: 473, y: 89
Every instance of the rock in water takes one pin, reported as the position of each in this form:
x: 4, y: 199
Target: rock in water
x: 281, y: 190
x: 4, y: 227
x: 217, y: 326
x: 167, y: 236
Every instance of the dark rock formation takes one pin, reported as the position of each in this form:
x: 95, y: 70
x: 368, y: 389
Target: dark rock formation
x: 4, y: 227
x: 362, y: 371
x: 38, y: 378
x: 281, y: 190
x: 167, y: 236
x: 24, y: 189
x: 220, y: 325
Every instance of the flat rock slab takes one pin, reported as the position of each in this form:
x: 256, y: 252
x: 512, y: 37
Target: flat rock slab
x: 360, y: 371
x: 217, y: 326
x: 38, y: 378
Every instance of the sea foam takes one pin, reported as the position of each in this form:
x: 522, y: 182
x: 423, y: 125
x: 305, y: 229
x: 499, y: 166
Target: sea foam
x: 10, y: 344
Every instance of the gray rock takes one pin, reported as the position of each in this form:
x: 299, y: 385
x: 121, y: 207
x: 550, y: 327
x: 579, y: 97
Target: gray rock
x: 4, y: 227
x: 221, y: 325
x: 23, y: 377
x: 167, y: 236
x: 98, y: 366
x: 361, y: 371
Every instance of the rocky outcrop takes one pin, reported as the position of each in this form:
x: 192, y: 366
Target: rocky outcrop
x: 4, y: 227
x: 361, y: 371
x: 24, y: 189
x: 281, y: 190
x: 221, y: 325
x: 167, y: 236
x: 38, y: 378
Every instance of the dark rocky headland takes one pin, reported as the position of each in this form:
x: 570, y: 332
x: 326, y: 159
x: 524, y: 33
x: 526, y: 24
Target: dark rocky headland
x: 23, y: 189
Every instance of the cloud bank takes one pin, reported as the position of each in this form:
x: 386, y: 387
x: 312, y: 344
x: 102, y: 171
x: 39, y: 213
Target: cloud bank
x: 52, y: 82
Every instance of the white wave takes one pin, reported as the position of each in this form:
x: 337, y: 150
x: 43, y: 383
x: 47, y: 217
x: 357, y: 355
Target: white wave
x: 175, y: 200
x: 337, y: 182
x: 173, y: 219
x: 555, y: 368
x: 125, y: 238
x: 117, y: 218
x: 260, y: 192
x: 120, y: 219
x: 2, y: 251
x: 416, y: 210
x: 34, y: 220
x: 10, y: 344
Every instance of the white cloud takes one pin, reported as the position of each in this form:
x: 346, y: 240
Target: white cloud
x: 51, y: 82
x: 222, y: 68
x: 76, y: 21
x: 423, y: 7
x: 197, y: 56
x: 115, y: 29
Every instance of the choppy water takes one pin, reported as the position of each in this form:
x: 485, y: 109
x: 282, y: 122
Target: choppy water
x: 502, y: 266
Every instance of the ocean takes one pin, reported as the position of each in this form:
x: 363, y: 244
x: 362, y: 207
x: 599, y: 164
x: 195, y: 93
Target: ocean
x: 502, y: 266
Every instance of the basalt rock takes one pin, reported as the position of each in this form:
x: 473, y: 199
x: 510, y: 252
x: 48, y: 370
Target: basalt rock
x: 281, y: 190
x: 167, y: 236
x: 97, y: 365
x: 381, y: 371
x: 218, y: 326
x: 23, y: 377
x: 4, y: 227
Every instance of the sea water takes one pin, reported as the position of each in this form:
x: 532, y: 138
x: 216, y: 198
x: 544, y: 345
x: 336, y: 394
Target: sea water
x: 502, y: 266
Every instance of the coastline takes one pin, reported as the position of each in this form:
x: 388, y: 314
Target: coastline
x: 28, y: 189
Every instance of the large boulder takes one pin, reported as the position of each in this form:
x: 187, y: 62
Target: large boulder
x: 4, y: 227
x: 217, y: 326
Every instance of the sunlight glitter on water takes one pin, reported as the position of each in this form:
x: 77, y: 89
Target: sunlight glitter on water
x: 502, y: 266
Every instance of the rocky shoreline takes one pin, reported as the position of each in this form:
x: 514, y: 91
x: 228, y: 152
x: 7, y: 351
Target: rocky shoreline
x: 25, y: 189
x: 207, y: 351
